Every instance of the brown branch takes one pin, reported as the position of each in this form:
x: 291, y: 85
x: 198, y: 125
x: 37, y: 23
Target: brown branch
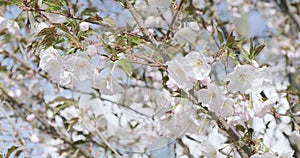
x: 13, y: 102
x: 141, y: 25
x: 234, y: 136
x: 285, y: 7
x: 173, y: 20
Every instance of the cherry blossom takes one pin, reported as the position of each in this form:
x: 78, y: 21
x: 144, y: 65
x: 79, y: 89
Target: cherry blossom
x: 12, y: 26
x: 246, y: 78
x: 30, y: 117
x: 212, y: 97
x: 199, y: 65
x: 185, y: 71
x: 107, y: 84
x: 34, y: 138
x: 80, y: 66
x: 177, y: 72
x: 150, y: 79
x: 84, y: 26
x: 51, y: 62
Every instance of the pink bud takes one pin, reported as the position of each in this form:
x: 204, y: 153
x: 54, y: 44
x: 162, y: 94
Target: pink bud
x: 205, y: 82
x: 34, y: 138
x: 84, y: 26
x: 30, y: 117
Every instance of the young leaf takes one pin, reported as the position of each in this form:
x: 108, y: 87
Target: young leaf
x: 18, y: 153
x: 125, y: 64
x: 89, y: 11
x: 62, y: 27
x: 47, y: 31
x: 11, y: 150
x: 230, y: 40
x: 220, y: 36
x: 59, y: 99
x: 94, y: 19
x: 240, y: 128
x: 259, y: 49
x: 62, y: 107
x: 109, y: 21
x: 72, y: 122
x: 251, y: 47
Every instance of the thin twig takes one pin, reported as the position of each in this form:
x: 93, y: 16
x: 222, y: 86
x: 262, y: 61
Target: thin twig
x: 15, y: 104
x: 173, y: 20
x: 142, y: 27
x: 234, y: 136
x: 284, y: 7
x: 104, y: 140
x: 21, y: 139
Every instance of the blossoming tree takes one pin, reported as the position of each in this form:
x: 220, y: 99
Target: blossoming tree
x: 149, y: 78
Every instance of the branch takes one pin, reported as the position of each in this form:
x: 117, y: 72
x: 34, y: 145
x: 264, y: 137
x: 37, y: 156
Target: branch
x: 173, y: 20
x: 104, y: 140
x: 15, y: 104
x: 141, y: 25
x: 285, y: 7
x: 185, y: 147
x: 234, y: 136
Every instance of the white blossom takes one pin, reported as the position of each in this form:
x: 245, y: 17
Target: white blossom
x: 80, y: 66
x: 163, y: 99
x: 212, y: 97
x: 227, y: 108
x: 34, y: 138
x: 185, y: 71
x: 246, y: 78
x: 84, y: 26
x: 185, y: 35
x: 178, y: 73
x: 30, y: 117
x: 39, y: 26
x: 92, y: 50
x: 198, y: 64
x: 156, y: 22
x: 12, y: 26
x: 51, y: 62
x: 107, y: 84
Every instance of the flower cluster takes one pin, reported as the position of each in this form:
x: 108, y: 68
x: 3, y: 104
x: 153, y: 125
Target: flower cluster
x: 186, y: 71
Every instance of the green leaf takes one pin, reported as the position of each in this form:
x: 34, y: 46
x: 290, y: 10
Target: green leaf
x: 72, y: 122
x: 240, y: 128
x: 109, y: 21
x: 89, y: 11
x: 18, y: 153
x: 72, y: 50
x: 251, y: 47
x: 259, y: 49
x: 33, y: 2
x: 61, y: 107
x: 47, y: 31
x: 125, y: 64
x: 11, y: 2
x: 65, y: 103
x: 94, y: 19
x: 47, y: 41
x: 220, y: 36
x: 54, y: 5
x: 59, y: 99
x: 62, y: 27
x: 230, y: 40
x: 3, y: 69
x: 175, y: 49
x: 11, y: 150
x: 78, y: 142
x: 181, y: 93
